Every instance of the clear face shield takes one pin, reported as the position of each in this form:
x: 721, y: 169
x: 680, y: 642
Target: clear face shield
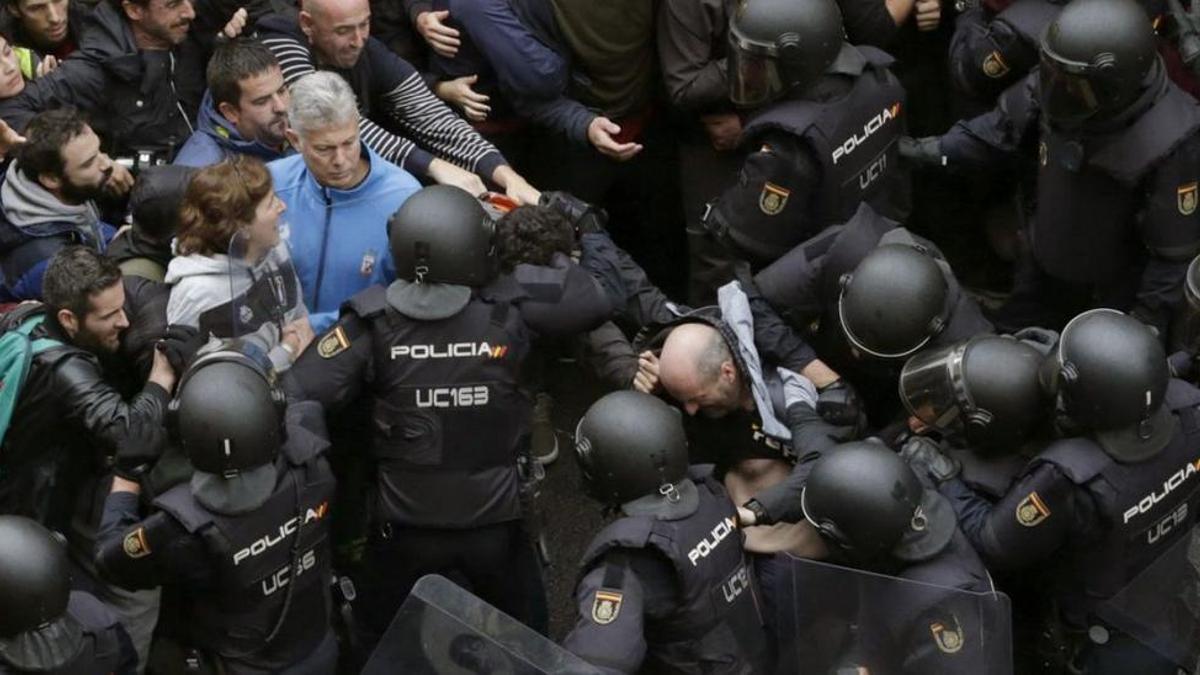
x: 934, y: 390
x: 1072, y: 92
x: 755, y: 73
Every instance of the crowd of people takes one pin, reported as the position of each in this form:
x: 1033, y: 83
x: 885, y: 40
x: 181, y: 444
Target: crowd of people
x: 282, y: 284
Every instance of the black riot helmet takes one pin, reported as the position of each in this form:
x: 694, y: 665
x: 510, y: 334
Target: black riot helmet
x: 1095, y: 58
x: 228, y: 416
x: 776, y: 45
x: 441, y: 234
x: 894, y: 302
x: 983, y: 390
x: 865, y: 499
x: 1109, y: 373
x: 35, y: 632
x: 1187, y: 326
x: 630, y: 445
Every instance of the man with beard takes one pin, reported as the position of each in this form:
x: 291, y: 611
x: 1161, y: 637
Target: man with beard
x: 137, y: 75
x: 51, y: 27
x: 72, y: 425
x: 47, y: 199
x: 245, y: 109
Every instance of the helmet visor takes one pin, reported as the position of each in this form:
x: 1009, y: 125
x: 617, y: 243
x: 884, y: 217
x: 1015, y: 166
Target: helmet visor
x: 1188, y: 324
x: 755, y: 76
x: 1071, y: 92
x: 932, y: 388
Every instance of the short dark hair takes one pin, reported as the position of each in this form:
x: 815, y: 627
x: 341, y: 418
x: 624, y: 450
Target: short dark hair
x: 47, y: 134
x: 532, y: 235
x: 233, y: 62
x: 74, y: 275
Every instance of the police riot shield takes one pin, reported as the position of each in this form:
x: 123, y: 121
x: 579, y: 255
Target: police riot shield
x: 1161, y: 606
x: 442, y: 629
x: 264, y: 290
x: 838, y: 619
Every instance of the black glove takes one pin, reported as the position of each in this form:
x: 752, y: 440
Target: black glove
x: 1182, y: 364
x: 838, y: 403
x: 925, y: 151
x: 180, y: 344
x: 585, y: 218
x: 139, y: 451
x: 1041, y: 339
x: 924, y: 454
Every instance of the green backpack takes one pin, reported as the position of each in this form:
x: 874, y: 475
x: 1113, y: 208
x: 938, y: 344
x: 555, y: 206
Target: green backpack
x: 16, y: 354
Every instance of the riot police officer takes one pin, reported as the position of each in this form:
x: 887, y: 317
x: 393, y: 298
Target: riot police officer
x: 437, y: 356
x: 867, y: 294
x: 983, y: 398
x: 247, y: 536
x: 1109, y: 497
x: 45, y: 626
x: 875, y: 515
x: 666, y: 586
x: 1118, y: 178
x: 823, y: 138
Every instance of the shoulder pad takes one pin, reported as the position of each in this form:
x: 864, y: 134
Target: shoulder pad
x: 90, y: 612
x: 1181, y: 395
x: 368, y: 302
x: 701, y: 472
x: 1080, y: 459
x: 875, y: 56
x: 1171, y: 121
x: 307, y: 436
x: 180, y: 505
x: 628, y: 532
x: 792, y: 117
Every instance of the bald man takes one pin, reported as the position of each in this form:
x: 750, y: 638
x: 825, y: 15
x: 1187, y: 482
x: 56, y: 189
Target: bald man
x: 736, y: 423
x: 436, y: 144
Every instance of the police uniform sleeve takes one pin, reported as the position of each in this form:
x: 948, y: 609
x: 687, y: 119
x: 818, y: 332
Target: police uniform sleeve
x: 333, y: 370
x: 946, y: 639
x: 563, y: 299
x: 772, y: 189
x: 139, y: 554
x: 996, y: 138
x: 1039, y: 514
x: 1169, y: 225
x: 609, y: 632
x: 987, y: 57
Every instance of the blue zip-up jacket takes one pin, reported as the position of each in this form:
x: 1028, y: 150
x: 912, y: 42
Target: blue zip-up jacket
x: 339, y: 238
x: 216, y: 139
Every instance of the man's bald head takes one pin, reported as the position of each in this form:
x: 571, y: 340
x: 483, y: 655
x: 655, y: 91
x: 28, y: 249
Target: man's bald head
x: 697, y: 369
x: 337, y: 30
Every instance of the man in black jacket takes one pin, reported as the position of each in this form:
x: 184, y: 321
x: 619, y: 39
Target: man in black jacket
x: 137, y: 74
x: 50, y: 27
x: 71, y: 424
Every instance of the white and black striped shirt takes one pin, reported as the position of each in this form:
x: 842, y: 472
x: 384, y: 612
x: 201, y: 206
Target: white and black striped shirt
x: 401, y: 118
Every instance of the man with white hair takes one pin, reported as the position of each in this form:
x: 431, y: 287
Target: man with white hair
x: 339, y: 195
x: 402, y: 119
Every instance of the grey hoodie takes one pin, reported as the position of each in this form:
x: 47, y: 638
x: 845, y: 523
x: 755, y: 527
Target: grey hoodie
x: 201, y: 282
x: 28, y: 204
